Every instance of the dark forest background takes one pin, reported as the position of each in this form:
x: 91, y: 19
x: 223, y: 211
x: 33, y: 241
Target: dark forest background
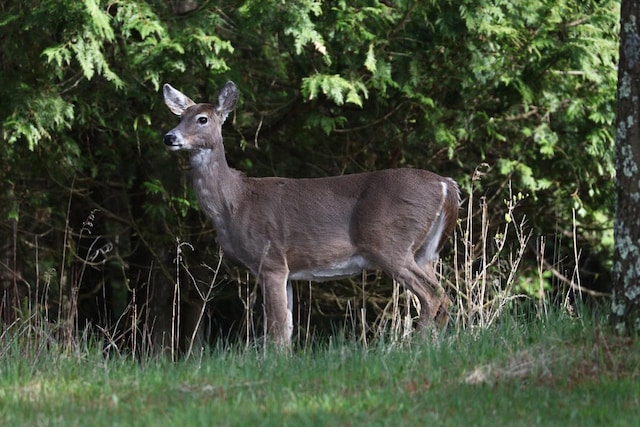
x: 100, y: 230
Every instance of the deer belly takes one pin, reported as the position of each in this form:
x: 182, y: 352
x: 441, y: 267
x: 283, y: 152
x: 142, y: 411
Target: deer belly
x: 336, y: 270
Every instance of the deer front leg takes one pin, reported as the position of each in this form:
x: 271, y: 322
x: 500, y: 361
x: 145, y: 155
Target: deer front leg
x: 278, y: 301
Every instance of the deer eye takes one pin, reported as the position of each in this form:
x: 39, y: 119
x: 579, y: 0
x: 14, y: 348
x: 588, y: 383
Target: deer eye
x: 202, y: 120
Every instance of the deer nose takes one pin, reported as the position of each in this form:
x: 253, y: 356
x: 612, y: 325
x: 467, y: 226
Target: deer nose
x: 169, y: 139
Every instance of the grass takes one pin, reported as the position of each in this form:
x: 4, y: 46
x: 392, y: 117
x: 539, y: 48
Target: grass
x: 557, y: 371
x: 559, y: 366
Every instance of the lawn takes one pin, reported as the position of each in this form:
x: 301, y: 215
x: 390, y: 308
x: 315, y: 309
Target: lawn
x: 560, y: 371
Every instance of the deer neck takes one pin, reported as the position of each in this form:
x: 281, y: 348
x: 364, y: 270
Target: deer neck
x: 217, y: 186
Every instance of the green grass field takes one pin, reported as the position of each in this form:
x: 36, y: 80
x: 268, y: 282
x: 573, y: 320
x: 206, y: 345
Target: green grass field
x: 559, y: 371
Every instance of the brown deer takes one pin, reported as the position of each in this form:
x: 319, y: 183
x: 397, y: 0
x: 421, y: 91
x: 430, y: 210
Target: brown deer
x: 281, y: 229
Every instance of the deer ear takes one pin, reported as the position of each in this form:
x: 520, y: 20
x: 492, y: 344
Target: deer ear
x: 227, y: 99
x: 176, y: 100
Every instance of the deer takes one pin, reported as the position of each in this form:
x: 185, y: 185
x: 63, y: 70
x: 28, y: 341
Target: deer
x: 316, y: 229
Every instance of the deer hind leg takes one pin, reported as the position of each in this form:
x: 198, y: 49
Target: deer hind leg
x: 425, y: 259
x: 278, y: 302
x: 422, y: 281
x: 419, y: 281
x: 420, y: 284
x: 441, y: 312
x: 289, y: 325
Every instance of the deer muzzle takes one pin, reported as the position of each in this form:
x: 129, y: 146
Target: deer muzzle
x: 171, y: 140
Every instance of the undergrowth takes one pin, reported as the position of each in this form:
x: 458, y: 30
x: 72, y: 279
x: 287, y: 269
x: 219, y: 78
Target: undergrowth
x: 481, y: 274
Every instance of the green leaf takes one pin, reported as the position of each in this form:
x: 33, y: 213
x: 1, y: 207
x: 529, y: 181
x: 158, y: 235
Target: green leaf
x: 370, y: 61
x: 335, y: 88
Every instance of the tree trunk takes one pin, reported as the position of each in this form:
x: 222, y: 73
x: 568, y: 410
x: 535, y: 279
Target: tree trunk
x: 626, y: 268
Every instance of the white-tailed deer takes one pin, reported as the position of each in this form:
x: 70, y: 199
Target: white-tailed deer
x: 281, y: 229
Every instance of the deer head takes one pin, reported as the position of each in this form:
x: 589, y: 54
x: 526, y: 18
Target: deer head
x: 200, y: 125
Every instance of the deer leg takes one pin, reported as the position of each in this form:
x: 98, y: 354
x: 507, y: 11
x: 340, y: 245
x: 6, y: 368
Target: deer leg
x: 424, y: 285
x: 277, y: 308
x: 441, y: 312
x: 428, y: 304
x: 404, y: 268
x: 289, y: 325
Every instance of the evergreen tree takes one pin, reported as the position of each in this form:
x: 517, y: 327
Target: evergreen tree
x: 626, y: 268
